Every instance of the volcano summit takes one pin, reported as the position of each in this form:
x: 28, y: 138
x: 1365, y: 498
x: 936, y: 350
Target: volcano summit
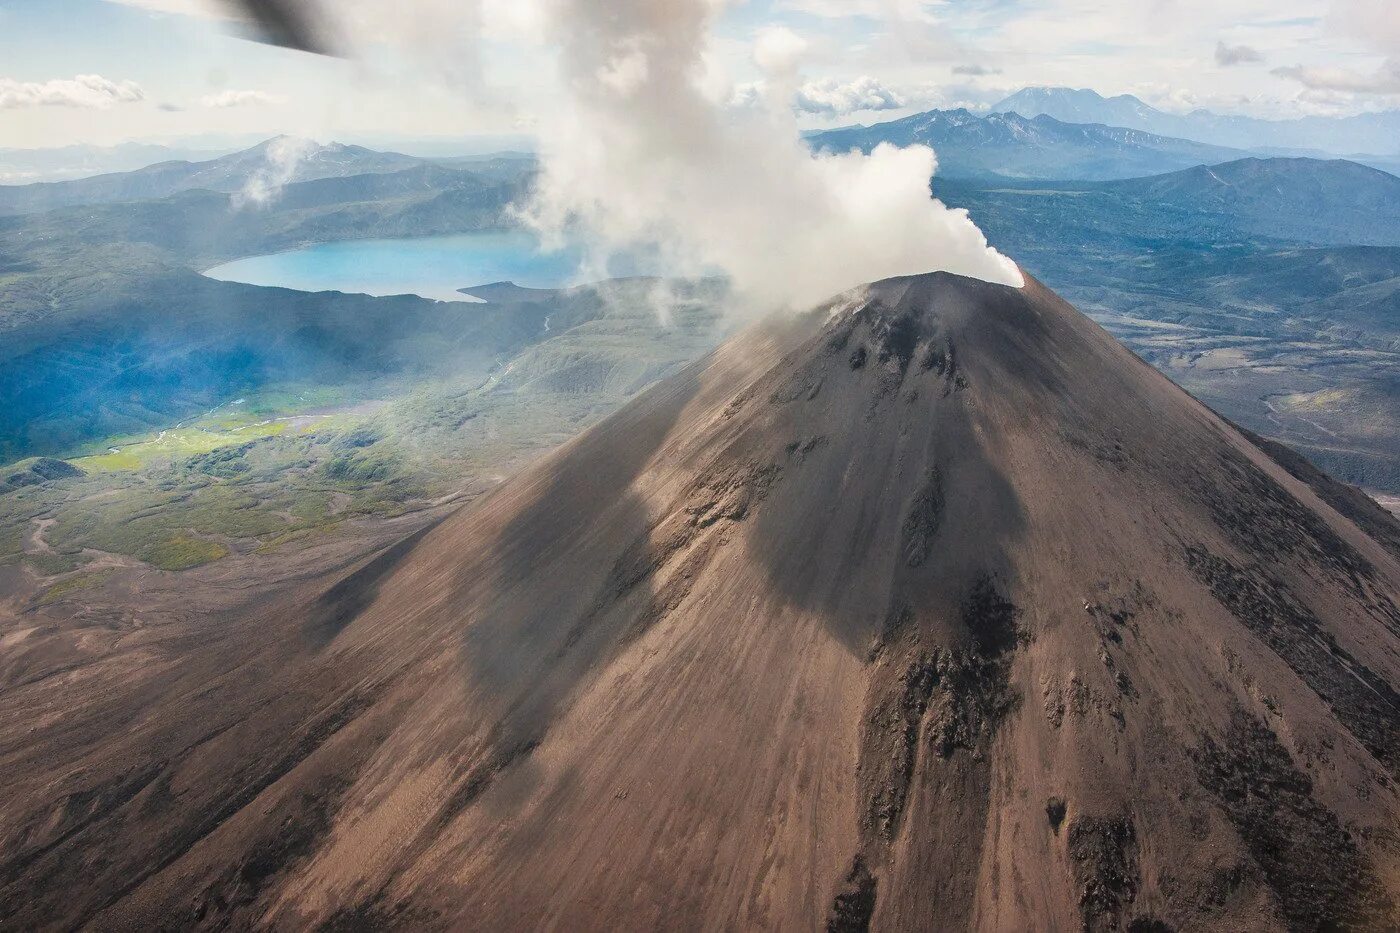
x: 933, y: 609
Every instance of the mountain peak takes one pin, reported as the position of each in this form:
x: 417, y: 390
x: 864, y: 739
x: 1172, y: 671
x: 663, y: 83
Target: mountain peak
x: 930, y: 606
x: 1077, y: 105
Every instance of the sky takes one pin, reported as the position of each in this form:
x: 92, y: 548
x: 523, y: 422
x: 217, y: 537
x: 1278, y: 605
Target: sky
x: 107, y: 71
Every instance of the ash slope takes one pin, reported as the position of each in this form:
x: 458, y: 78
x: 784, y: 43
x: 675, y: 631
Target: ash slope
x: 943, y: 611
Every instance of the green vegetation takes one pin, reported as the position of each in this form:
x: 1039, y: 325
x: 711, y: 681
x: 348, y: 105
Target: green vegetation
x: 170, y: 446
x: 53, y: 564
x: 17, y: 511
x: 182, y: 552
x: 74, y: 584
x: 278, y: 470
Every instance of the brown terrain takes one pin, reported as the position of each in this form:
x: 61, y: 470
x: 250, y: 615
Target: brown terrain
x: 933, y: 610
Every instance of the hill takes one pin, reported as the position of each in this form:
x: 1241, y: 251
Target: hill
x: 295, y: 160
x: 61, y: 163
x: 933, y: 608
x: 1011, y: 146
x: 1323, y: 202
x: 108, y: 329
x: 1372, y: 133
x: 1308, y: 200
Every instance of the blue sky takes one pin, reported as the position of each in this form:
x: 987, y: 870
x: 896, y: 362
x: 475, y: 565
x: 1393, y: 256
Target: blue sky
x: 168, y: 69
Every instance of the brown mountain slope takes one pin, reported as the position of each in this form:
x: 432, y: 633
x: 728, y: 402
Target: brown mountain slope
x: 942, y: 611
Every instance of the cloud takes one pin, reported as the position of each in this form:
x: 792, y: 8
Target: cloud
x: 89, y: 91
x: 976, y: 71
x: 866, y: 9
x: 829, y: 97
x: 833, y: 98
x: 225, y: 99
x: 734, y: 190
x: 1374, y: 22
x: 778, y: 50
x: 1384, y: 80
x: 1228, y: 55
x: 1334, y: 90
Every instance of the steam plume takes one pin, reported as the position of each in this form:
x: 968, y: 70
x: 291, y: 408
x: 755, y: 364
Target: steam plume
x: 644, y: 155
x: 283, y: 157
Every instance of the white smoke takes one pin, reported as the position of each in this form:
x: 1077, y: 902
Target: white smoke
x: 282, y: 157
x: 654, y: 159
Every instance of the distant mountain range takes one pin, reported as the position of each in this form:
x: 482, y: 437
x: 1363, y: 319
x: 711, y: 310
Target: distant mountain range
x: 1307, y: 200
x: 1367, y: 133
x: 1008, y: 145
x: 23, y: 166
x: 226, y: 174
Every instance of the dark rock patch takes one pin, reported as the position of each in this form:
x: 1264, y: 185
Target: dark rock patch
x: 972, y: 699
x: 952, y: 698
x: 898, y: 336
x: 1055, y: 812
x: 1307, y: 858
x: 991, y: 620
x: 922, y: 521
x: 854, y: 903
x: 1106, y: 872
x: 1364, y: 702
x: 375, y: 915
x: 1349, y: 501
x: 1265, y: 520
x: 293, y: 840
x: 1149, y: 925
x: 891, y: 745
x: 936, y: 359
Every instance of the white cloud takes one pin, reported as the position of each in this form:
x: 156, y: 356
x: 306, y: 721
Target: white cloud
x: 778, y: 50
x: 1374, y: 22
x: 1227, y: 55
x: 90, y: 91
x: 833, y: 98
x: 1384, y: 80
x: 1337, y: 90
x: 240, y: 99
x: 923, y: 10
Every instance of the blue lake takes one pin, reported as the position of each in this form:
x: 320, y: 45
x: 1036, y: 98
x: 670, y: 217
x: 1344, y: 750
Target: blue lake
x: 434, y: 267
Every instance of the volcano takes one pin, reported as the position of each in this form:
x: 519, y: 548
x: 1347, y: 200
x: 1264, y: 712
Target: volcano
x: 932, y: 609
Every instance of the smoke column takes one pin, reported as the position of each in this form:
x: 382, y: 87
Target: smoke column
x: 645, y: 155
